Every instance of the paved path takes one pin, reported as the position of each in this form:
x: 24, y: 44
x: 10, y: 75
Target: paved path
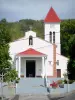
x: 70, y: 96
x: 35, y: 97
x: 15, y: 98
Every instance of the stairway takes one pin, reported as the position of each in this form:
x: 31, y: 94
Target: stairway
x: 31, y: 86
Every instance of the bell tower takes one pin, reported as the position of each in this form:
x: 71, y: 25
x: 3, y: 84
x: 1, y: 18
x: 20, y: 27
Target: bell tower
x: 52, y: 29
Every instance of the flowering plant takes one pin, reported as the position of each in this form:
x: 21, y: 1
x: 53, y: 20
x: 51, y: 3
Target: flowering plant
x: 54, y: 84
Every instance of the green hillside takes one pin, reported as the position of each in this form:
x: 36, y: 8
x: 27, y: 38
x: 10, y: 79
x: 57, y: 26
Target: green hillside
x: 18, y: 29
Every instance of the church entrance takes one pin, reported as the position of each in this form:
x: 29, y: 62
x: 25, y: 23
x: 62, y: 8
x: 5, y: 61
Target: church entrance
x: 30, y: 68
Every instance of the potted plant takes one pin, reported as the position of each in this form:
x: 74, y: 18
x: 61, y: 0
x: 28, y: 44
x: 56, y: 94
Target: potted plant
x: 60, y: 83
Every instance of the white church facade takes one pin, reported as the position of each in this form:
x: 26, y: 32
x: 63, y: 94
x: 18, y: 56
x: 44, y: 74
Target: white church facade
x: 36, y: 57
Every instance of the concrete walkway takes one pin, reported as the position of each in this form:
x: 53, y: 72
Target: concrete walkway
x: 45, y: 97
x: 15, y: 98
x: 35, y: 97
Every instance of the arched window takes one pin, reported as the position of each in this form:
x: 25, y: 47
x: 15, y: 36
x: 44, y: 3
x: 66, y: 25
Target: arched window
x: 50, y: 37
x: 53, y: 37
x: 30, y: 40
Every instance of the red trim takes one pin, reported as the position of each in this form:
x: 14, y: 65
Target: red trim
x: 52, y: 16
x: 30, y: 51
x: 51, y: 76
x: 54, y: 60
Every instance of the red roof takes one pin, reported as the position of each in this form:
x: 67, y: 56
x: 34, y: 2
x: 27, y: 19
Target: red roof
x: 52, y: 16
x: 30, y: 51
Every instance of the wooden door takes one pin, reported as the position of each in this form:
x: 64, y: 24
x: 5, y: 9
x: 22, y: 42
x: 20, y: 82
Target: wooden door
x: 58, y: 72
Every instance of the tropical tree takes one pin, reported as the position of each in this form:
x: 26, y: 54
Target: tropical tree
x: 71, y: 63
x: 67, y: 33
x: 5, y: 65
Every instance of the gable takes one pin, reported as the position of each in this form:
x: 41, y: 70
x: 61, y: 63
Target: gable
x: 23, y: 44
x: 31, y: 51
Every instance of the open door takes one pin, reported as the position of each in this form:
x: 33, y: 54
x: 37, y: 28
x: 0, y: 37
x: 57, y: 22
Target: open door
x: 30, y: 68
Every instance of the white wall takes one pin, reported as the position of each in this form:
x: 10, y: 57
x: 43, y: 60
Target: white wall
x: 27, y: 34
x: 53, y: 27
x: 62, y: 64
x: 49, y: 68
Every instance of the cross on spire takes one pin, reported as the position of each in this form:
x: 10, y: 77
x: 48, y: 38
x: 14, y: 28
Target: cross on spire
x: 30, y: 27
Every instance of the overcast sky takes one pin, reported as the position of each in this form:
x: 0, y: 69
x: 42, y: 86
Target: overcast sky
x: 14, y: 10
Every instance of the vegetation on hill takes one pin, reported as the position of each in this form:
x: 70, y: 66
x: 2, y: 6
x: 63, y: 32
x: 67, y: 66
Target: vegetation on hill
x: 18, y: 29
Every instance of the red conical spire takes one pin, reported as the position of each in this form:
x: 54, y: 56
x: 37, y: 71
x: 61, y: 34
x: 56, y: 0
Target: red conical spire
x: 52, y: 16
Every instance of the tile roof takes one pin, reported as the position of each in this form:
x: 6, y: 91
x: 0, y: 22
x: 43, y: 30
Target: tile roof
x: 52, y: 16
x: 30, y: 51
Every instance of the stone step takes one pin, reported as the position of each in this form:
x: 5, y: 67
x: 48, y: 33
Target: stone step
x: 31, y: 85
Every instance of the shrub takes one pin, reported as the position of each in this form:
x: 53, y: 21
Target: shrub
x: 60, y: 81
x: 65, y: 81
x: 71, y: 81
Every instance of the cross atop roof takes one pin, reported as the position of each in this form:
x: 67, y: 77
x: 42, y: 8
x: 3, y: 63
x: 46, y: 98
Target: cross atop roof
x: 30, y: 27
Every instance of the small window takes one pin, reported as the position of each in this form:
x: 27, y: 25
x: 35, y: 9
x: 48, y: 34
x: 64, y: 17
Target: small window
x: 57, y: 62
x: 53, y: 37
x: 50, y: 37
x: 30, y: 40
x: 50, y: 62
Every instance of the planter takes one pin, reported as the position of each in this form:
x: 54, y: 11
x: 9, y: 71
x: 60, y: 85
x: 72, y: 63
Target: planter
x: 54, y: 87
x: 22, y: 76
x: 61, y: 85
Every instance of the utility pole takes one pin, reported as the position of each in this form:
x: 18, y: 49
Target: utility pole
x: 2, y: 75
x: 2, y: 85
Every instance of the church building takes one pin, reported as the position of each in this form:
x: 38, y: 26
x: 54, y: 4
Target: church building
x: 36, y: 57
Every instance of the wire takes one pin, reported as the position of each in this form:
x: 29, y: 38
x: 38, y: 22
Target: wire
x: 34, y: 37
x: 34, y: 48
